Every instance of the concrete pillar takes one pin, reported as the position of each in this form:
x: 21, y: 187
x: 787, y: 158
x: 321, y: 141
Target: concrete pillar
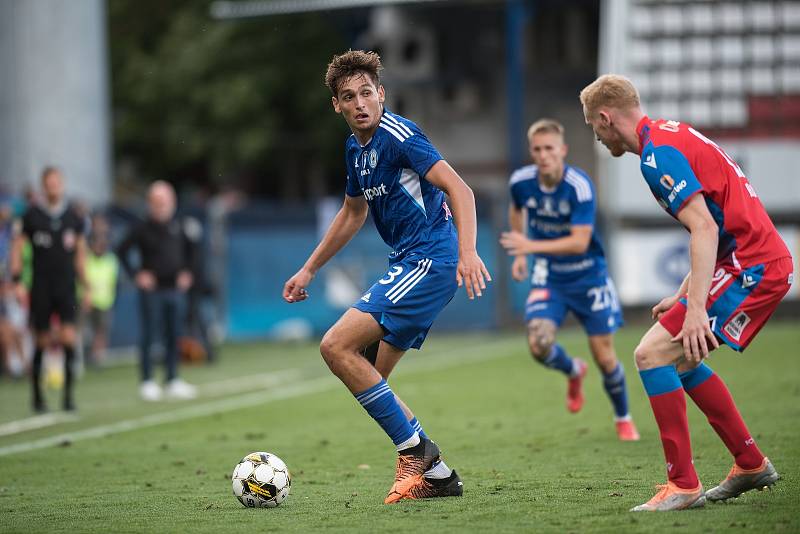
x: 54, y: 95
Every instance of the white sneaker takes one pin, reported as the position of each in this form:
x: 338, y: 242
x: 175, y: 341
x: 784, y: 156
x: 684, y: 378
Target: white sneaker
x: 150, y: 391
x: 178, y: 389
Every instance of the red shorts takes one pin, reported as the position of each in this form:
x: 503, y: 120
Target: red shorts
x: 739, y: 302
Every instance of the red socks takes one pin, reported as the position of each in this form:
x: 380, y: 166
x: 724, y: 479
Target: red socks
x: 715, y: 401
x: 670, y: 412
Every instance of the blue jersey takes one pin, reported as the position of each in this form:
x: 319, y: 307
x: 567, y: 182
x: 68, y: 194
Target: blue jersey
x: 409, y: 212
x: 551, y: 214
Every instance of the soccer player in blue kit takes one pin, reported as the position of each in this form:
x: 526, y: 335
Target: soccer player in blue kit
x: 569, y: 268
x: 394, y: 172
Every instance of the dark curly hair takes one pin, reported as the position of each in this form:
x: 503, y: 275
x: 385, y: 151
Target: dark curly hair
x: 351, y: 63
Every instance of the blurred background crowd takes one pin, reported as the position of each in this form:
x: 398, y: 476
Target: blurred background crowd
x: 226, y: 102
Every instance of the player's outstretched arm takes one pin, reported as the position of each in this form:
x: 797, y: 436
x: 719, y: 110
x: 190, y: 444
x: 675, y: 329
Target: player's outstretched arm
x: 577, y: 242
x: 345, y: 225
x: 471, y: 271
x: 703, y: 242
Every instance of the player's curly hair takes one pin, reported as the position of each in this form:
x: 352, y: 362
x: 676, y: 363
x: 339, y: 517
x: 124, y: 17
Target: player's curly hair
x: 353, y: 62
x: 609, y: 90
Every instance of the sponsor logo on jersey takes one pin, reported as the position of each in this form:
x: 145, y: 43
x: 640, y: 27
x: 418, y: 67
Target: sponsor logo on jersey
x: 377, y: 191
x: 667, y: 181
x: 538, y: 294
x: 571, y: 267
x: 42, y: 239
x: 736, y: 325
x: 365, y: 169
x: 677, y: 189
x: 650, y: 160
x: 547, y: 209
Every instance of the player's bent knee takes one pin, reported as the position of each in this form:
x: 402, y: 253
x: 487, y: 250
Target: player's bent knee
x: 541, y: 338
x: 328, y: 348
x: 645, y: 357
x: 540, y: 351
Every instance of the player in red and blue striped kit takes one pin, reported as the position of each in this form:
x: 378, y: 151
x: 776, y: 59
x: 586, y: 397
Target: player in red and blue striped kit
x: 740, y: 271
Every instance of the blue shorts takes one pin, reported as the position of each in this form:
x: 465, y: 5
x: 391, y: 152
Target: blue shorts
x: 594, y: 302
x: 407, y: 299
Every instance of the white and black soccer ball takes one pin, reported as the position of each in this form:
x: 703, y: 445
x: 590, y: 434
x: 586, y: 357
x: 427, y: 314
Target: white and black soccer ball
x: 261, y: 480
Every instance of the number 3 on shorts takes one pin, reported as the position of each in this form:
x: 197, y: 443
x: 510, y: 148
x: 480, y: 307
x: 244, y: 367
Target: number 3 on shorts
x: 396, y: 271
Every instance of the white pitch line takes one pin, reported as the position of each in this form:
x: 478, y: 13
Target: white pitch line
x: 219, y: 388
x: 36, y: 422
x: 305, y: 387
x: 241, y: 384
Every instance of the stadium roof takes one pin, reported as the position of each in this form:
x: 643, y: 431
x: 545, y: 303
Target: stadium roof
x: 259, y: 8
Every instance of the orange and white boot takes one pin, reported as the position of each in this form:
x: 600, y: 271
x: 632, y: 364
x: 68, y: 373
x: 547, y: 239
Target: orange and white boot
x: 740, y: 480
x: 671, y: 497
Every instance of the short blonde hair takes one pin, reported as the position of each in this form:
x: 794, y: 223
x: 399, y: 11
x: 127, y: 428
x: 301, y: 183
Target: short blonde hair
x: 545, y: 126
x: 609, y: 90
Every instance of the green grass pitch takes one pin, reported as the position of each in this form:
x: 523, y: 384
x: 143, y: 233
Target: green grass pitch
x: 500, y: 419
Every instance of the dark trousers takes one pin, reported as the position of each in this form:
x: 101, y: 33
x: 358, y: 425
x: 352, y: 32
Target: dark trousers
x: 161, y: 309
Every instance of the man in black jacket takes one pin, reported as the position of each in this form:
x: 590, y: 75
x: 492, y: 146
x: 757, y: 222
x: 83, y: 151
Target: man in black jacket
x: 163, y: 277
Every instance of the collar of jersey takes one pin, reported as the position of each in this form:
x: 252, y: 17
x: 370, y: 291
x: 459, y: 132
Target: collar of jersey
x: 550, y: 190
x: 384, y: 112
x: 57, y: 210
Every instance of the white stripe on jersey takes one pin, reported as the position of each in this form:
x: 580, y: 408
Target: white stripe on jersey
x: 412, y: 282
x: 393, y: 132
x: 409, y: 180
x: 396, y: 130
x: 392, y: 292
x: 527, y: 172
x: 581, y: 184
x: 402, y: 126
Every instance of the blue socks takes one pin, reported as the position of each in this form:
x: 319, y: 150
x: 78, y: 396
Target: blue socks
x: 695, y: 377
x: 558, y: 359
x: 614, y: 384
x: 418, y: 427
x: 381, y: 405
x: 660, y: 380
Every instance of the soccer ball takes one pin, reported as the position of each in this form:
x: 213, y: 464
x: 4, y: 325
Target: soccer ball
x: 261, y: 480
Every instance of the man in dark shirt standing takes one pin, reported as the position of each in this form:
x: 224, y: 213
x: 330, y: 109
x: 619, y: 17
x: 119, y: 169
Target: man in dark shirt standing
x: 56, y: 233
x: 163, y: 277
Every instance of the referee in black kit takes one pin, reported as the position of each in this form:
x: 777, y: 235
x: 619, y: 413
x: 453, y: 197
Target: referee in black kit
x: 56, y: 233
x: 163, y: 277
